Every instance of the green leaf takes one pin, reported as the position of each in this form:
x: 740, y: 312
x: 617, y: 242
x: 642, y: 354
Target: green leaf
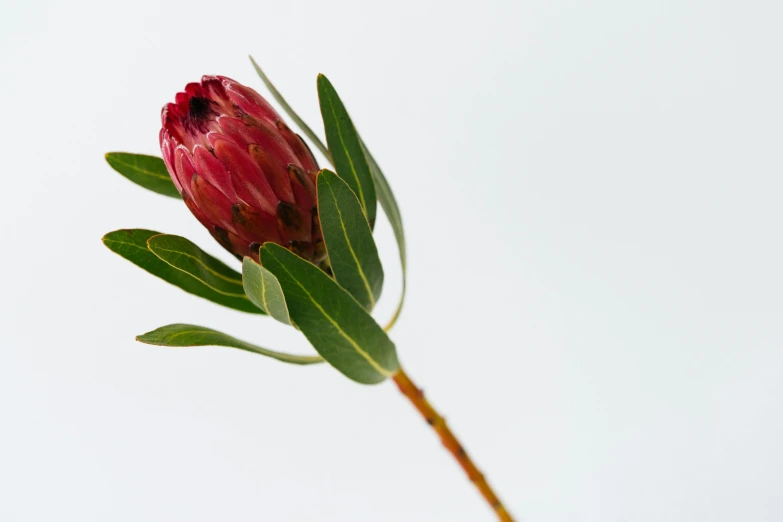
x: 147, y: 171
x: 346, y: 148
x: 392, y: 211
x: 353, y: 255
x: 264, y: 290
x: 179, y: 335
x: 341, y: 331
x: 185, y: 256
x: 132, y: 245
x: 290, y: 111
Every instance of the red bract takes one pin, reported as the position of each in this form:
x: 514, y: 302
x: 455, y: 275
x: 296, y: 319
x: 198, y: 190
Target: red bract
x: 241, y: 171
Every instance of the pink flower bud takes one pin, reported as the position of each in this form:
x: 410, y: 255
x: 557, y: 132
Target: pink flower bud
x: 241, y: 171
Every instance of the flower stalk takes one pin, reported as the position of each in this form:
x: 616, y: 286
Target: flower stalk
x: 449, y: 440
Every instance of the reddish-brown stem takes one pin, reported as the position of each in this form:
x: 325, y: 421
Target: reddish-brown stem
x: 438, y: 423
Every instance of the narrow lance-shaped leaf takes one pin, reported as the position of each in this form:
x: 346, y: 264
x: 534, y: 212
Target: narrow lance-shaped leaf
x: 290, y: 111
x: 263, y: 288
x: 392, y: 211
x: 132, y: 245
x: 353, y: 255
x: 181, y: 335
x: 337, y: 326
x: 146, y: 171
x: 346, y: 148
x: 184, y: 255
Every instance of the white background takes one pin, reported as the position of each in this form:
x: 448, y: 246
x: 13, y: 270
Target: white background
x: 592, y: 198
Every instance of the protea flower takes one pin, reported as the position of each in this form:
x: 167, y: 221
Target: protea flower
x: 241, y: 171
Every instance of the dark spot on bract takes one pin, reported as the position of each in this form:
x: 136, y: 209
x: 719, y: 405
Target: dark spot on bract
x: 221, y: 234
x: 288, y: 215
x: 296, y: 172
x: 236, y: 214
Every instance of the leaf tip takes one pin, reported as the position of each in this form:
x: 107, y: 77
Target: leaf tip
x: 247, y: 260
x: 269, y: 247
x: 108, y: 235
x: 156, y: 236
x: 145, y: 338
x: 322, y: 81
x: 109, y: 157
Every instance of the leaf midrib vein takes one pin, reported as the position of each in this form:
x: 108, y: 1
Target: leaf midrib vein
x: 141, y: 170
x: 350, y: 248
x: 238, y: 343
x: 228, y: 279
x: 203, y: 282
x: 348, y: 156
x: 380, y: 369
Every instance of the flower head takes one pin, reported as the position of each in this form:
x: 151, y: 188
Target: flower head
x: 241, y: 171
